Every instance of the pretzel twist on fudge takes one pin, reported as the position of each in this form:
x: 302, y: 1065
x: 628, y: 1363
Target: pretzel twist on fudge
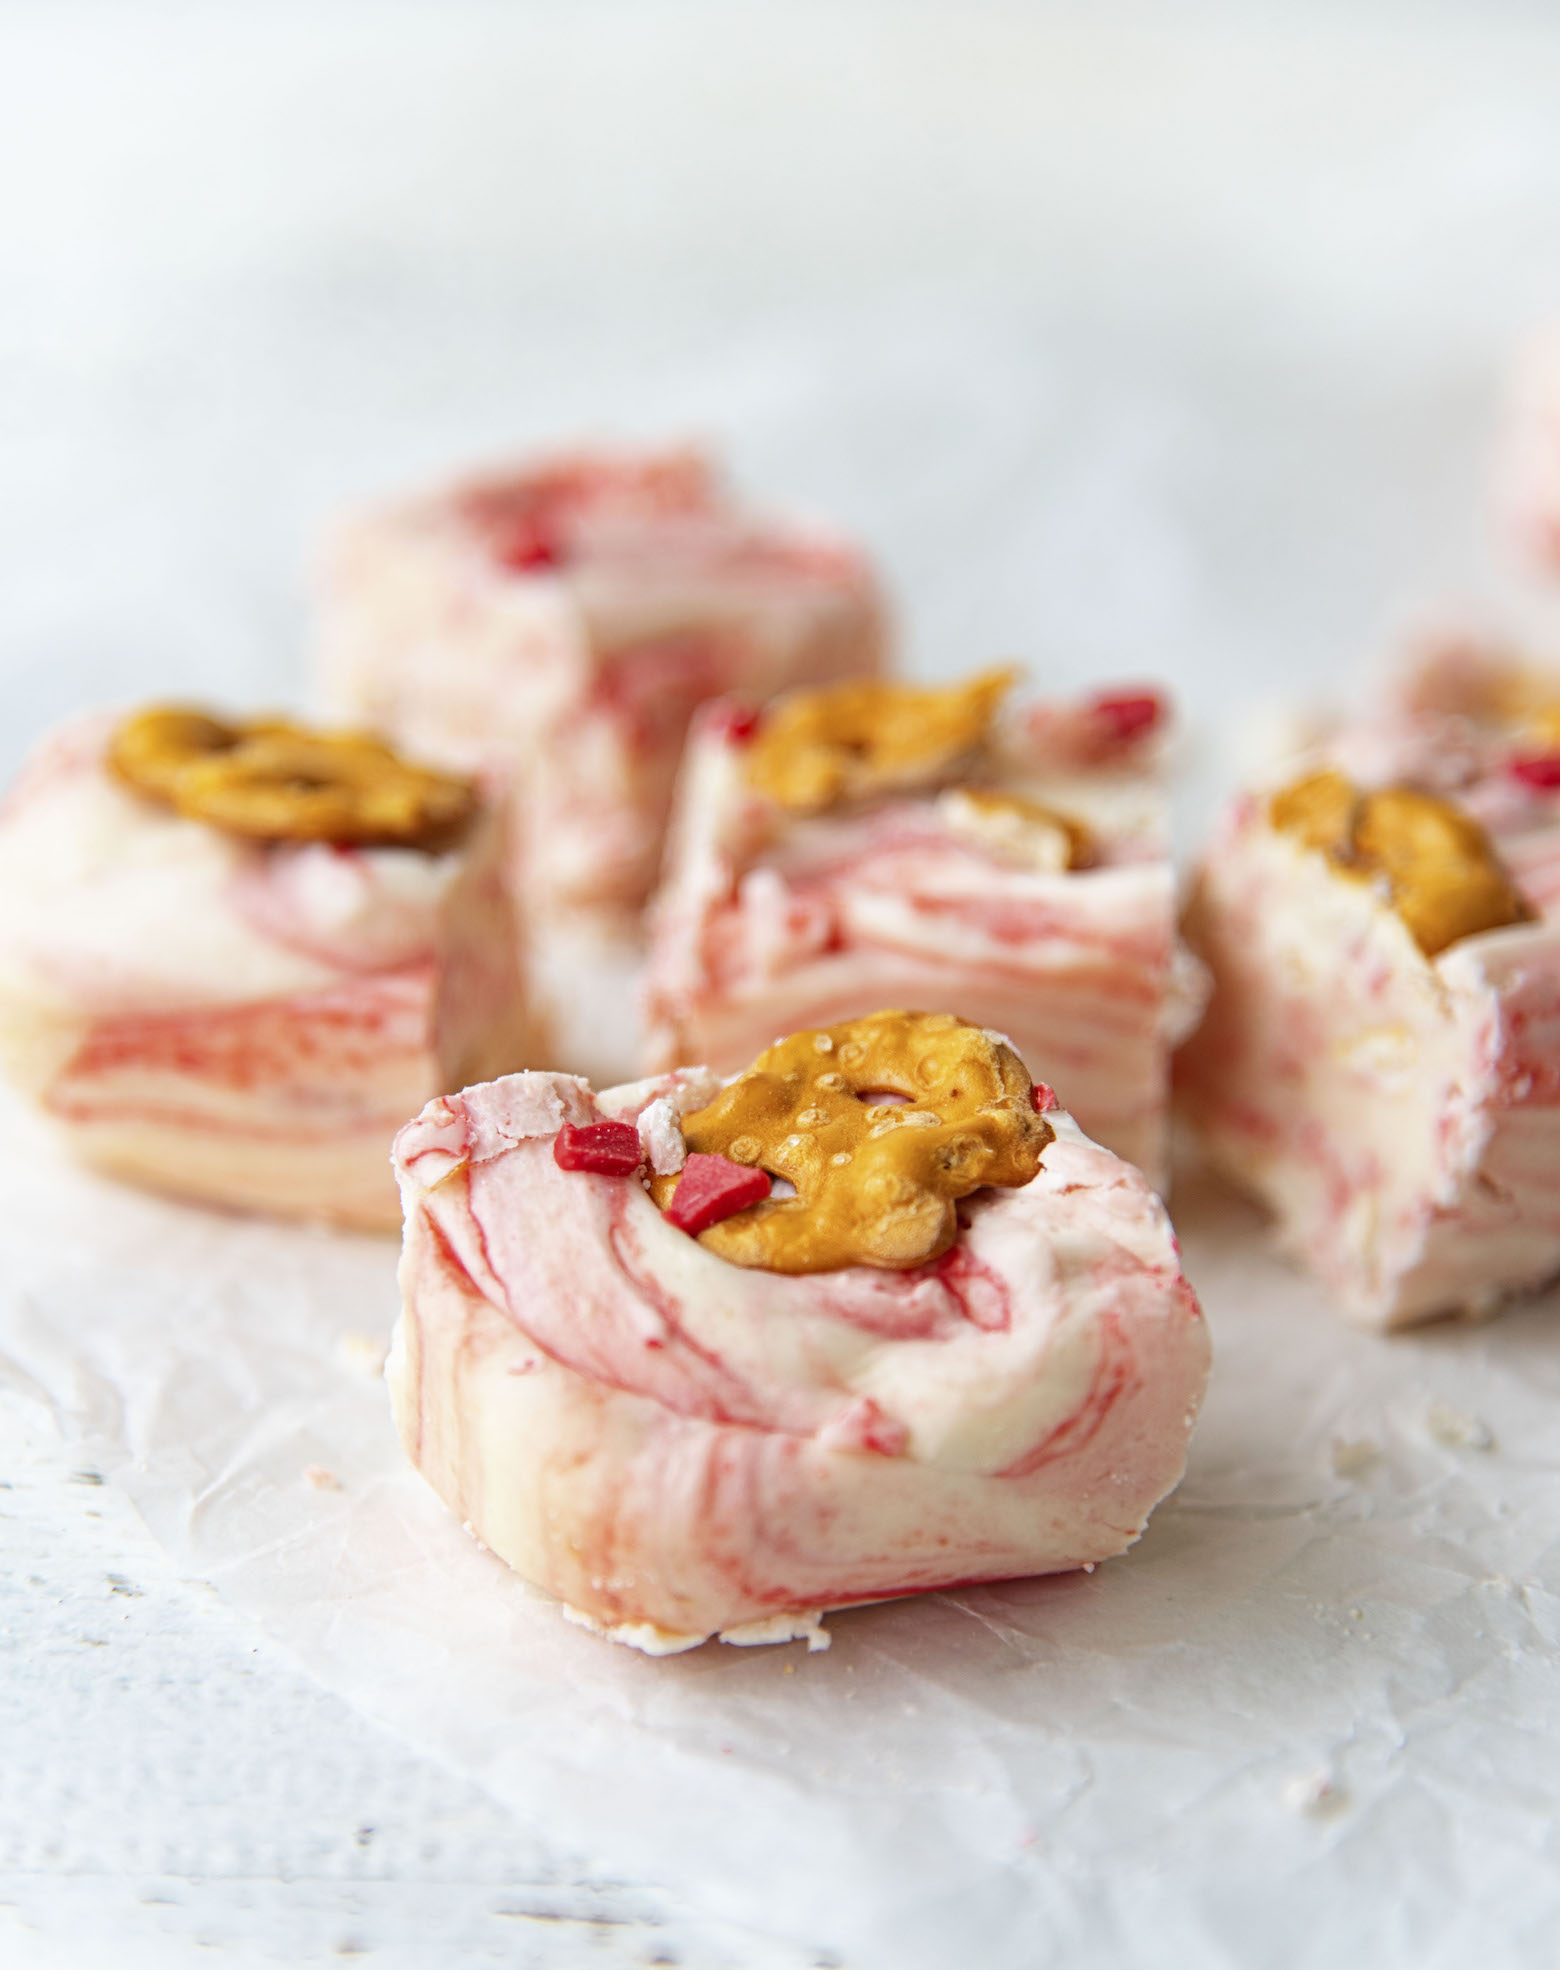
x: 817, y: 749
x: 1440, y: 868
x: 271, y: 780
x: 876, y: 1181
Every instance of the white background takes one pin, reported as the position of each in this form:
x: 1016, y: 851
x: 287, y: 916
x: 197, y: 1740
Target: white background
x: 1158, y: 341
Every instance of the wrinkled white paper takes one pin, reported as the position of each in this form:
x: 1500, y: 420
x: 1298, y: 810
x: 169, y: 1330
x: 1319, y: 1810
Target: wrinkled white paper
x: 1173, y: 356
x: 1306, y: 1720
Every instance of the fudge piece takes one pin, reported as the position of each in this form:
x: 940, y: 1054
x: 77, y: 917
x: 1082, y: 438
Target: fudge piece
x: 562, y: 621
x: 872, y: 1319
x: 876, y: 843
x: 1528, y: 467
x: 1380, y: 1061
x: 233, y: 958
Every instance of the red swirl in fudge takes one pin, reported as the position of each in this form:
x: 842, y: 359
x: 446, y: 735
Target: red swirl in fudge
x: 632, y: 1360
x: 236, y: 1016
x: 561, y: 622
x: 877, y: 843
x: 1380, y: 1062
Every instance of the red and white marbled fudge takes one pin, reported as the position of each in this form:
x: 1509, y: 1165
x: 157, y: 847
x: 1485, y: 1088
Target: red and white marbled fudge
x: 1528, y: 475
x: 563, y: 621
x: 678, y: 1445
x: 1014, y: 868
x: 1380, y: 1061
x: 241, y: 1021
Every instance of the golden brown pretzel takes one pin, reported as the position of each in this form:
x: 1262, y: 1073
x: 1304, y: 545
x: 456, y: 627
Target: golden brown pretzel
x: 815, y: 749
x: 1443, y: 875
x: 275, y: 781
x: 875, y: 1185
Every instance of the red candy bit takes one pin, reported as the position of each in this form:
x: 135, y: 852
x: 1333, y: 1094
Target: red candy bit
x: 526, y: 542
x: 1127, y: 715
x: 1536, y: 769
x: 1043, y: 1099
x: 606, y: 1149
x: 732, y: 721
x: 712, y: 1188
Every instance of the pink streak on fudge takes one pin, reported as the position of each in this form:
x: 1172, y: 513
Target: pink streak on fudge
x: 1400, y: 1115
x: 579, y: 670
x: 766, y: 924
x: 239, y: 1023
x: 676, y: 1446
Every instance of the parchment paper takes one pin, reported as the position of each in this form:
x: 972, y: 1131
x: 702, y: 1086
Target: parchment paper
x: 1309, y: 1718
x: 1170, y: 354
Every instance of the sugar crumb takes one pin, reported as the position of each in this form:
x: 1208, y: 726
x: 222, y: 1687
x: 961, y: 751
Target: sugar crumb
x: 1352, y: 1457
x: 1456, y: 1431
x: 1315, y: 1794
x: 362, y: 1352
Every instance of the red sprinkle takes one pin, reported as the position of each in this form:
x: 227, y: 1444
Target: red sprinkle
x: 1127, y: 714
x: 527, y: 542
x: 732, y: 721
x: 606, y: 1149
x: 712, y: 1188
x: 1535, y: 769
x: 1043, y: 1099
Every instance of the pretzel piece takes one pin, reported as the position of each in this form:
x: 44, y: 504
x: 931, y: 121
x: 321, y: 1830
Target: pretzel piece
x: 817, y: 749
x: 1440, y: 867
x: 271, y: 780
x: 876, y: 1179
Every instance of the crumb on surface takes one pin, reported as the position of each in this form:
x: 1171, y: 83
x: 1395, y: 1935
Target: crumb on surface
x: 1352, y: 1457
x: 362, y: 1352
x: 1456, y: 1430
x: 1316, y: 1795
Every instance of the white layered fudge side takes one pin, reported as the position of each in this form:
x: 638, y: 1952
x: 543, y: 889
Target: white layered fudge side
x: 562, y: 621
x: 237, y: 1018
x: 1380, y: 1061
x: 862, y: 1324
x: 875, y: 844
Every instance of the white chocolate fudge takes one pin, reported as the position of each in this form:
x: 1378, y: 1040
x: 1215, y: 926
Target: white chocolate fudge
x: 562, y: 621
x: 1528, y: 470
x: 1012, y: 867
x: 677, y: 1444
x: 1380, y: 1058
x: 241, y: 1021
